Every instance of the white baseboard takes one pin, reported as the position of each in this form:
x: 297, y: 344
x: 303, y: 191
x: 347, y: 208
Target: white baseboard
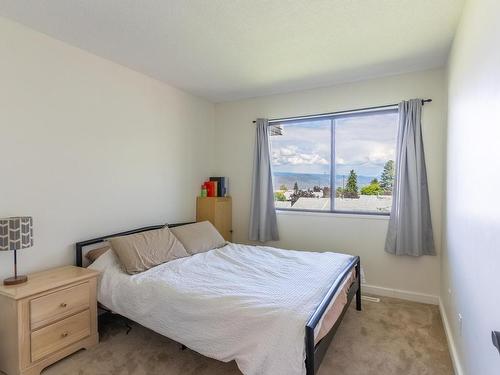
x: 402, y: 294
x: 457, y: 366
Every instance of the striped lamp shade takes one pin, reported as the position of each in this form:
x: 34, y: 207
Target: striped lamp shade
x: 16, y: 233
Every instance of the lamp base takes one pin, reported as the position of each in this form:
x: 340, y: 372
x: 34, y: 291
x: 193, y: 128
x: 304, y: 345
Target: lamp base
x: 15, y: 280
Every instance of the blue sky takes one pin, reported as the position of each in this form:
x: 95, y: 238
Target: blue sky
x: 362, y: 143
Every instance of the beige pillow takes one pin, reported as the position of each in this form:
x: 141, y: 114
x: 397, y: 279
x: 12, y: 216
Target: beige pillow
x: 93, y: 254
x: 142, y: 251
x: 198, y: 237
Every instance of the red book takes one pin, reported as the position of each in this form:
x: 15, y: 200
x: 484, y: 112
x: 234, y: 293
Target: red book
x: 211, y: 188
x: 216, y: 192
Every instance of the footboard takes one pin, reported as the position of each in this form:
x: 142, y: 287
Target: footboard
x: 315, y: 353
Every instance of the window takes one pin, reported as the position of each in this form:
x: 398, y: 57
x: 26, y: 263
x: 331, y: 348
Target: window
x: 335, y: 163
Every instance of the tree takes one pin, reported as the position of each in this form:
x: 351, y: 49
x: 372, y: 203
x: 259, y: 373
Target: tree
x: 283, y: 187
x: 351, y: 189
x: 387, y: 178
x: 279, y: 196
x: 339, y: 193
x: 316, y: 189
x: 301, y: 194
x: 295, y: 187
x: 372, y: 189
x: 326, y: 192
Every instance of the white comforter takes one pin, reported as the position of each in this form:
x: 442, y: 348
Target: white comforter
x: 239, y: 302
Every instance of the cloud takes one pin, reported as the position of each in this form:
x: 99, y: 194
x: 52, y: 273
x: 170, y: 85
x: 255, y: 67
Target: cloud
x: 365, y: 144
x: 357, y: 153
x: 290, y: 155
x: 303, y: 147
x: 361, y: 143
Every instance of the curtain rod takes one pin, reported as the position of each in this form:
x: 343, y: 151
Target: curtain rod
x: 340, y: 112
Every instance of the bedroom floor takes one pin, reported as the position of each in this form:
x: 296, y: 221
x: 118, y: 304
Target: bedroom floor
x: 390, y: 337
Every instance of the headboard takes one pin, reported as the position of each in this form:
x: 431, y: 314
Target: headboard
x: 80, y: 245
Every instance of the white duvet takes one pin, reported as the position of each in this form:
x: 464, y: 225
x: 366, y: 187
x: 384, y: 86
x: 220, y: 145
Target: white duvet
x: 244, y: 303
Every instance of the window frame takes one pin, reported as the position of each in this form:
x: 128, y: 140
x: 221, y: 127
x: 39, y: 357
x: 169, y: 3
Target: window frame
x: 332, y: 117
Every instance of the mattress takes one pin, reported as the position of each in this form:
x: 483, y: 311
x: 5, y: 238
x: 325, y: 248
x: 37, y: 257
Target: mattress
x: 244, y: 303
x: 335, y: 308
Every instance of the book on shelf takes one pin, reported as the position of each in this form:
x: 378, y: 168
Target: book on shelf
x: 211, y: 187
x: 222, y: 186
x: 226, y: 186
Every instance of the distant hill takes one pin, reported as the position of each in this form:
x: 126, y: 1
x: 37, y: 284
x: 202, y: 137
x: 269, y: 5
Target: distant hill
x: 309, y: 180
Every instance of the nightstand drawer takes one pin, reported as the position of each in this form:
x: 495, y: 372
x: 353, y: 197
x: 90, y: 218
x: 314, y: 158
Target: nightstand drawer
x: 50, y: 339
x: 55, y: 306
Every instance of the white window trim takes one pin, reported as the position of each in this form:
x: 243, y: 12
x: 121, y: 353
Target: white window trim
x: 333, y: 214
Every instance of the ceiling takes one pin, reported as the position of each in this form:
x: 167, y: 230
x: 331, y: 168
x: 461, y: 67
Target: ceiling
x: 232, y: 49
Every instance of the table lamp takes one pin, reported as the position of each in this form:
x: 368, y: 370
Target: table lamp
x: 16, y: 233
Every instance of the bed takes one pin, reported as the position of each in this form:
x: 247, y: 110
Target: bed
x: 274, y: 311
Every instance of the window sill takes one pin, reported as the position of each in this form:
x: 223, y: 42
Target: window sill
x: 333, y: 214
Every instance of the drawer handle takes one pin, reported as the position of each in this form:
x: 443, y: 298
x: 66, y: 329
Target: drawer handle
x: 63, y: 304
x: 64, y: 334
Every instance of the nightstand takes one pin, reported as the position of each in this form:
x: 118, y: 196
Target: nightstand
x: 47, y: 318
x: 217, y: 210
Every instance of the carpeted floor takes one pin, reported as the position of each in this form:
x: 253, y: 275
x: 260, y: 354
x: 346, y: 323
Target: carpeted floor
x: 390, y: 337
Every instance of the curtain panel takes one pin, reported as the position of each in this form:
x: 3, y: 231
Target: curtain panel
x: 263, y: 221
x: 410, y: 225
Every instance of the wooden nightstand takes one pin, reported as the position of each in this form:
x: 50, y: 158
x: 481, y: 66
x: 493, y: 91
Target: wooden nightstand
x: 47, y: 318
x: 217, y: 210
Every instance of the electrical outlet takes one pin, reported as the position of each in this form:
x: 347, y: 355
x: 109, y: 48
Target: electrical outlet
x: 460, y: 324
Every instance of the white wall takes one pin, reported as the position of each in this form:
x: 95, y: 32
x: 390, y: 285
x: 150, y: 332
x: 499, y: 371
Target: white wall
x: 364, y: 236
x: 89, y: 147
x: 471, y: 259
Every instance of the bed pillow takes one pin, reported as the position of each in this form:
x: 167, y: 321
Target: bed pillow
x: 93, y: 254
x: 199, y: 237
x: 142, y: 251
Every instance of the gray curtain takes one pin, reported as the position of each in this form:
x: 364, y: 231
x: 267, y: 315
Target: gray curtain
x: 410, y: 227
x: 263, y: 223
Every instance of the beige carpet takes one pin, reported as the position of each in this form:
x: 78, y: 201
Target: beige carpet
x: 390, y: 337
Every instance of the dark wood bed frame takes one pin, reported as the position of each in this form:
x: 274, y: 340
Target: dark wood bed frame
x: 314, y: 353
